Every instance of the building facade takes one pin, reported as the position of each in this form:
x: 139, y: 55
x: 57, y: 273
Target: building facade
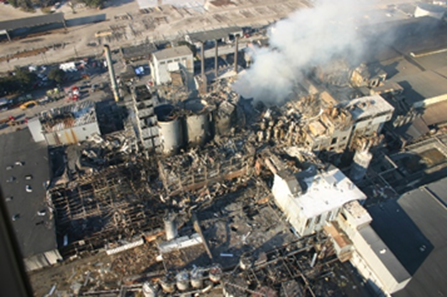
x: 167, y: 61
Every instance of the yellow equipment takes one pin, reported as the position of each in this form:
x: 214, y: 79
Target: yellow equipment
x: 28, y: 104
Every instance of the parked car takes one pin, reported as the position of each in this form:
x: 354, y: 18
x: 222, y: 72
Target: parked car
x: 9, y: 167
x: 11, y: 179
x: 28, y: 188
x: 15, y: 217
x: 28, y: 177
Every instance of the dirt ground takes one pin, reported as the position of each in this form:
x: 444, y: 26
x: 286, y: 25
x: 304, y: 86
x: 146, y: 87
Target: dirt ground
x: 159, y: 24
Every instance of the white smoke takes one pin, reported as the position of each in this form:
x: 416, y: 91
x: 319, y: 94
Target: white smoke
x: 309, y: 37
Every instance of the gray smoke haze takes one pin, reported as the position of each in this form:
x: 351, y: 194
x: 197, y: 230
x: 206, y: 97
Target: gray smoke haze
x: 307, y: 38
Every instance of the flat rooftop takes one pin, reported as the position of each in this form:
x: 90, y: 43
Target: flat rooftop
x: 387, y: 257
x: 35, y: 234
x: 422, y: 85
x: 138, y: 51
x: 219, y: 33
x: 172, y: 52
x: 368, y: 106
x: 413, y: 227
x: 326, y: 191
x: 32, y: 21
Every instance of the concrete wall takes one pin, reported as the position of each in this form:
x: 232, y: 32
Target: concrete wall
x: 372, y: 267
x: 302, y: 224
x: 72, y: 135
x: 35, y: 128
x: 354, y: 220
x: 42, y: 260
x: 162, y: 68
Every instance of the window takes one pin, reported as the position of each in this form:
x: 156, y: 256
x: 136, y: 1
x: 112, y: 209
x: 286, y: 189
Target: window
x: 334, y: 140
x: 344, y: 138
x: 307, y: 223
x: 162, y: 63
x: 317, y: 219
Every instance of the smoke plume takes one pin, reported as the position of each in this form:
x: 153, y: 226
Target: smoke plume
x: 308, y: 38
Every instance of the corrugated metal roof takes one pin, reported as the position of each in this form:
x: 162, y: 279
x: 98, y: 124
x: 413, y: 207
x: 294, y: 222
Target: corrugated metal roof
x: 212, y: 34
x: 32, y: 21
x: 136, y: 51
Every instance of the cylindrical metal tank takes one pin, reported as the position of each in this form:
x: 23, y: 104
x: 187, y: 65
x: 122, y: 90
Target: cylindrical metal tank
x: 225, y: 117
x: 360, y: 165
x: 215, y: 274
x: 198, y: 130
x: 426, y: 9
x: 167, y: 284
x: 170, y: 226
x: 245, y: 262
x: 182, y: 279
x: 149, y: 290
x: 170, y: 129
x: 197, y: 278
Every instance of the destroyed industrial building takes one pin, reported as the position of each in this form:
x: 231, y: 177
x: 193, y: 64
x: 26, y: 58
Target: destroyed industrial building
x: 207, y: 193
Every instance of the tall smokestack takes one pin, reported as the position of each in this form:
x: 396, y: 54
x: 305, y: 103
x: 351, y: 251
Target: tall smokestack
x: 202, y: 65
x: 235, y: 54
x: 215, y: 60
x: 112, y: 73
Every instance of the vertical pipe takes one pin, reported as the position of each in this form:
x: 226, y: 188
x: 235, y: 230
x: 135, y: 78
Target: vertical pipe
x: 314, y: 260
x: 202, y: 61
x: 204, y: 84
x: 235, y: 54
x: 111, y: 73
x: 215, y: 60
x: 7, y: 35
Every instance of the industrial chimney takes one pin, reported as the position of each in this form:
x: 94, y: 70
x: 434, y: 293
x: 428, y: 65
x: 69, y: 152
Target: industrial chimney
x: 111, y: 73
x: 235, y: 54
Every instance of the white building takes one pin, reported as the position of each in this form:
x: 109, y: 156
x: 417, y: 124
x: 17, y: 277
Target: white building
x: 66, y: 125
x: 175, y: 59
x: 309, y: 207
x: 369, y: 114
x: 371, y: 256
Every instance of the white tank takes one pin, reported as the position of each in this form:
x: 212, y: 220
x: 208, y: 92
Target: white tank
x: 170, y: 226
x: 360, y: 165
x: 182, y: 279
x: 215, y: 274
x: 197, y: 278
x: 198, y: 130
x: 167, y: 284
x: 149, y: 290
x: 170, y: 129
x: 426, y: 9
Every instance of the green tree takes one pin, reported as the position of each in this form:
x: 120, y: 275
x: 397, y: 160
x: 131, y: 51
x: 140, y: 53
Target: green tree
x: 22, y: 80
x: 56, y: 75
x: 94, y: 3
x: 24, y: 77
x: 24, y: 4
